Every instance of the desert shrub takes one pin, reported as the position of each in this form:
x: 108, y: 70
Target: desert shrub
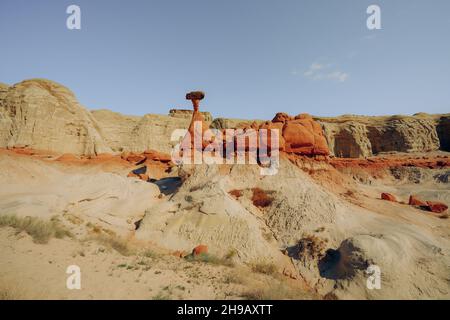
x: 264, y: 267
x: 236, y: 193
x: 231, y: 254
x: 235, y: 277
x: 209, y: 258
x: 311, y: 246
x: 150, y: 254
x: 116, y: 243
x: 40, y: 230
x: 260, y: 198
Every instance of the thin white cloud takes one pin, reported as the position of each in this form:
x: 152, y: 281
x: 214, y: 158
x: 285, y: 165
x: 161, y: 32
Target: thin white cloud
x: 318, y: 71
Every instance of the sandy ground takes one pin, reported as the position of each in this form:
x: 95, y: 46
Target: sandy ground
x: 337, y: 211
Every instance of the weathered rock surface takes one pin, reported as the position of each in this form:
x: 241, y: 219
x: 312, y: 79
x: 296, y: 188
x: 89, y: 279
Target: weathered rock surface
x: 45, y: 115
x: 388, y: 197
x: 187, y: 114
x: 359, y: 136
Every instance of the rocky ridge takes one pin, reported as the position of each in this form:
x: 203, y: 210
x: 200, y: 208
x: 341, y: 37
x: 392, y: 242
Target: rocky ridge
x: 44, y: 115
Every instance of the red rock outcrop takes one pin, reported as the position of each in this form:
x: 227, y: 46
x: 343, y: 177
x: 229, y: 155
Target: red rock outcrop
x: 154, y: 164
x: 388, y: 197
x: 200, y: 249
x: 300, y: 135
x: 436, y: 207
x: 415, y: 201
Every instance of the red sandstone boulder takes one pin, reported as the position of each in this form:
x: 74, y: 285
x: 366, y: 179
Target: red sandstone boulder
x: 200, y: 249
x: 388, y: 197
x: 436, y: 207
x: 268, y: 141
x: 281, y: 117
x: 302, y: 135
x: 303, y: 116
x: 415, y: 201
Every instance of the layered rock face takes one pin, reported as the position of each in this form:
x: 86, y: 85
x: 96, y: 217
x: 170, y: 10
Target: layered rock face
x: 187, y: 114
x: 358, y: 136
x: 45, y: 115
x: 137, y: 134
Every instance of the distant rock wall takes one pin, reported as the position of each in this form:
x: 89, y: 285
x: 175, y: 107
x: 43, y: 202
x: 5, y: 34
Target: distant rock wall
x: 137, y: 134
x: 358, y: 136
x: 187, y: 114
x: 45, y: 115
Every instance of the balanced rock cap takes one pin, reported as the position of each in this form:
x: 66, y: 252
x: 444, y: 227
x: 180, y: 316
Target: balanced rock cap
x: 195, y: 95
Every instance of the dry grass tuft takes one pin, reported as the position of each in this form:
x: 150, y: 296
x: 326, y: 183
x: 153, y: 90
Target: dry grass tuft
x: 212, y: 259
x: 119, y: 244
x: 236, y: 277
x: 311, y: 246
x: 40, y: 230
x: 264, y: 267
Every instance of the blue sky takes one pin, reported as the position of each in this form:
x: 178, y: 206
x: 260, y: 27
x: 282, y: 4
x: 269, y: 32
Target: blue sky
x: 253, y: 58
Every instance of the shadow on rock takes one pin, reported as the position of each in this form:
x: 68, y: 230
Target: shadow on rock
x: 167, y: 186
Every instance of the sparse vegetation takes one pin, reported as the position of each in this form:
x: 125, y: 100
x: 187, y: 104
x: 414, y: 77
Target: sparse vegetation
x: 311, y: 246
x: 150, y: 254
x: 40, y: 230
x: 209, y: 258
x: 116, y: 243
x: 264, y: 267
x: 235, y: 277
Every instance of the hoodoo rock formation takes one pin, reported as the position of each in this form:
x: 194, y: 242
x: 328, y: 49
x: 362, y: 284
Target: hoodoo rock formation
x: 44, y: 115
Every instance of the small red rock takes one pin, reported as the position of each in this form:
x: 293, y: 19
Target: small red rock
x: 415, y: 201
x: 436, y: 207
x: 388, y: 197
x: 199, y: 250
